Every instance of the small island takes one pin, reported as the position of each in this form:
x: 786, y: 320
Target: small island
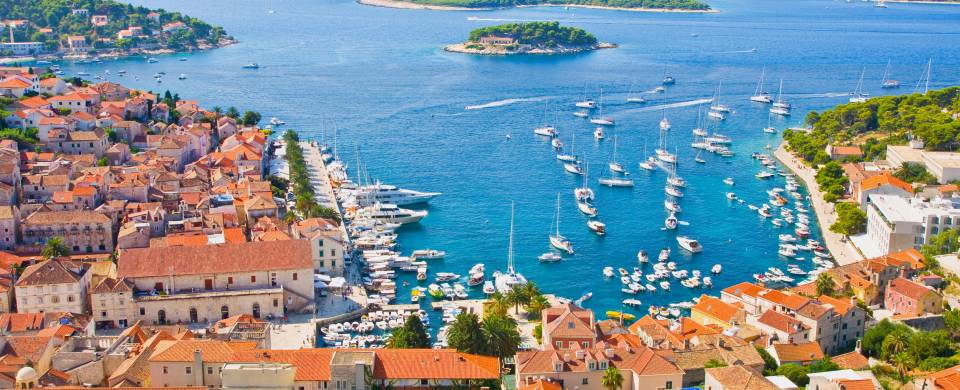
x: 78, y: 29
x: 625, y: 5
x: 528, y: 38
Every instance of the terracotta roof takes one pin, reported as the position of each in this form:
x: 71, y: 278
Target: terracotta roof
x: 846, y: 150
x: 909, y: 289
x: 851, y: 360
x: 744, y: 288
x: 542, y: 385
x: 948, y: 379
x: 67, y: 217
x: 790, y: 301
x: 857, y: 384
x: 740, y: 378
x: 885, y: 178
x: 434, y: 364
x: 803, y: 352
x: 209, y: 259
x: 60, y: 331
x: 781, y: 322
x: 839, y: 305
x: 642, y: 361
x: 211, y: 350
x: 48, y: 272
x: 20, y: 322
x: 910, y: 257
x: 34, y: 102
x: 716, y: 308
x: 13, y: 83
x: 27, y: 347
x: 111, y: 285
x: 233, y: 320
x: 568, y: 320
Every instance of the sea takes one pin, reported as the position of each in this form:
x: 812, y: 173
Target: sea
x: 377, y: 83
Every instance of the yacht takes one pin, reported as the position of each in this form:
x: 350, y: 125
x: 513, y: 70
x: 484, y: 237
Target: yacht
x: 642, y: 256
x: 614, y: 165
x: 671, y: 206
x: 728, y: 181
x: 671, y: 222
x: 780, y: 106
x: 505, y: 281
x: 428, y: 254
x: 689, y: 244
x: 664, y: 255
x: 717, y: 106
x: 385, y: 193
x: 549, y: 257
x: 664, y: 123
x: 546, y: 131
x: 252, y: 65
x: 668, y: 80
x: 673, y: 192
x: 557, y: 240
x: 600, y: 119
x: 573, y: 168
x: 632, y: 97
x: 759, y: 95
x: 387, y: 212
x: 587, y: 209
x: 598, y: 133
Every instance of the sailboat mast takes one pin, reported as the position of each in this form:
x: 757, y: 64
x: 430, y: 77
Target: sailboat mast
x: 510, y: 244
x: 558, y: 214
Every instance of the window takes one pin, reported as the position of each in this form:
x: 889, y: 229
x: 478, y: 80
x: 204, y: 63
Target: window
x: 253, y: 278
x: 189, y: 370
x: 570, y: 325
x: 143, y: 311
x: 559, y: 344
x: 256, y: 310
x: 276, y: 302
x: 669, y: 384
x: 294, y: 276
x: 164, y: 369
x: 103, y: 314
x: 209, y: 370
x: 224, y: 312
x: 584, y: 382
x: 230, y: 280
x: 586, y: 344
x: 55, y: 299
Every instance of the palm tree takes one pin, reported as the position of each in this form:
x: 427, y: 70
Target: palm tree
x: 537, y: 304
x: 465, y: 334
x: 498, y: 304
x: 825, y: 285
x: 55, y: 247
x: 895, y: 342
x: 501, y: 336
x: 903, y: 361
x: 612, y: 379
x: 518, y: 296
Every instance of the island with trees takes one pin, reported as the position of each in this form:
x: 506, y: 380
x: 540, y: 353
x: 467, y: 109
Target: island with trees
x: 629, y: 5
x: 81, y: 28
x: 528, y: 38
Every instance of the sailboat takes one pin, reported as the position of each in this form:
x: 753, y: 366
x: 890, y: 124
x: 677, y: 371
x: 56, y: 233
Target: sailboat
x: 648, y: 163
x: 717, y: 106
x: 780, y: 107
x: 769, y: 129
x: 887, y: 82
x: 759, y: 95
x: 568, y: 157
x: 633, y: 98
x: 662, y: 153
x: 505, y: 281
x: 545, y: 129
x: 584, y: 193
x: 615, y: 166
x: 586, y: 102
x: 664, y: 122
x: 600, y: 119
x: 858, y: 96
x: 698, y: 159
x: 924, y: 79
x: 556, y: 240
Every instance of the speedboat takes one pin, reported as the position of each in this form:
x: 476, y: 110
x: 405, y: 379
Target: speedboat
x: 671, y: 222
x: 668, y: 80
x: 689, y: 244
x: 252, y: 65
x: 598, y: 133
x: 615, y: 182
x: 728, y: 181
x: 489, y: 288
x: 716, y: 268
x: 598, y: 227
x: 549, y: 257
x: 603, y: 121
x: 428, y: 254
x: 664, y: 255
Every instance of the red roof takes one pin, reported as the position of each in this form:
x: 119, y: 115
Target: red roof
x: 909, y: 289
x: 885, y: 178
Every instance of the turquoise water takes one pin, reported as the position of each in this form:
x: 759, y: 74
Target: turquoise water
x: 381, y: 77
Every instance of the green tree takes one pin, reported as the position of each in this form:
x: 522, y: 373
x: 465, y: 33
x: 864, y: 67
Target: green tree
x: 872, y: 341
x: 411, y: 335
x: 55, y: 247
x: 498, y: 305
x: 714, y: 363
x: 795, y: 372
x: 825, y: 285
x: 822, y: 365
x: 250, y: 118
x: 895, y: 342
x: 537, y: 304
x: 850, y: 220
x: 914, y: 173
x: 945, y: 242
x: 518, y: 296
x: 769, y: 363
x: 501, y: 336
x: 465, y: 334
x: 612, y: 379
x: 903, y: 362
x: 232, y: 112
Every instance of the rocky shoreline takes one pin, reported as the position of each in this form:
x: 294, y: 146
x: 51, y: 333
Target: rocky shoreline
x: 119, y: 54
x: 497, y: 50
x: 401, y: 4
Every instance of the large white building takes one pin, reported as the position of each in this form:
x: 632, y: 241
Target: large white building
x: 945, y: 166
x: 895, y: 223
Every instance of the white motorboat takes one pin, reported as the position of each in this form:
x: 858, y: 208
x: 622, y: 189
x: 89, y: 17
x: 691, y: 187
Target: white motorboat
x: 598, y: 133
x: 277, y: 121
x: 764, y: 175
x: 759, y: 95
x: 428, y: 254
x: 587, y: 209
x: 573, y: 168
x: 632, y: 302
x: 728, y: 181
x: 670, y: 222
x: 581, y: 114
x: 668, y: 80
x: 716, y: 268
x: 659, y: 90
x: 600, y: 119
x: 446, y: 277
x: 385, y: 193
x: 597, y: 227
x: 664, y: 255
x: 252, y: 65
x: 615, y: 182
x: 671, y: 206
x: 557, y: 240
x: 549, y: 257
x: 590, y: 104
x: 731, y: 196
x: 488, y: 287
x: 665, y: 285
x: 566, y: 157
x: 546, y: 131
x: 689, y: 244
x: 390, y: 213
x: 669, y: 190
x: 642, y: 256
x: 182, y: 76
x: 608, y: 272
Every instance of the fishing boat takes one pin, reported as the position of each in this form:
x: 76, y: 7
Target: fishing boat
x: 549, y: 257
x: 597, y: 227
x: 600, y: 119
x: 858, y: 95
x: 780, y: 106
x: 557, y: 240
x: 689, y: 244
x: 759, y: 95
x: 614, y: 165
x: 615, y: 182
x: 887, y: 82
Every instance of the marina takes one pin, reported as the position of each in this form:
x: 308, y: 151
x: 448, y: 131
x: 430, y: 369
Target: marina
x: 440, y: 124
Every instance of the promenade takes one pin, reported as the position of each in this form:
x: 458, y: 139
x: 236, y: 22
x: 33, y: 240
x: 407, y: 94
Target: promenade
x: 843, y: 252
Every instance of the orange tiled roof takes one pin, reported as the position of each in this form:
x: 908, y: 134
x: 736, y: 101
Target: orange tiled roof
x: 851, y: 360
x: 885, y: 178
x: 803, y: 352
x: 13, y: 83
x: 911, y: 257
x: 189, y: 260
x: 948, y: 379
x: 839, y: 305
x: 20, y: 322
x: 781, y: 322
x: 909, y: 289
x: 857, y: 384
x: 716, y: 308
x: 542, y: 385
x: 434, y: 364
x: 744, y: 288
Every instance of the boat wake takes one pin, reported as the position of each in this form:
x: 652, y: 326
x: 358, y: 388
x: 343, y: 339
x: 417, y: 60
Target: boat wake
x: 504, y: 102
x: 734, y: 52
x: 659, y: 107
x: 819, y: 95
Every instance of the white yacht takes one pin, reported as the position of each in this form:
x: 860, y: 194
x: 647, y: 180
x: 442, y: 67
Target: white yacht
x: 584, y: 193
x: 505, y: 281
x: 587, y: 209
x: 887, y: 82
x: 573, y: 168
x: 597, y: 227
x: 759, y: 95
x: 780, y: 106
x: 387, y: 212
x: 615, y: 181
x: 614, y: 165
x: 673, y: 192
x: 671, y: 206
x: 717, y: 106
x: 546, y: 131
x: 598, y: 133
x: 671, y: 222
x: 858, y: 95
x: 689, y: 244
x: 642, y: 256
x: 600, y: 119
x: 385, y: 193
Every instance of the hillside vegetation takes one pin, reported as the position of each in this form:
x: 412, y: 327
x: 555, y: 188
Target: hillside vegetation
x: 652, y: 4
x: 538, y: 34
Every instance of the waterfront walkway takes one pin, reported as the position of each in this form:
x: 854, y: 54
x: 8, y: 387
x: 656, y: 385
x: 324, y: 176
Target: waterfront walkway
x: 843, y: 252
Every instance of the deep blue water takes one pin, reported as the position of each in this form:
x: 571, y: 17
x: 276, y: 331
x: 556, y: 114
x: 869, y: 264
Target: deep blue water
x: 380, y: 76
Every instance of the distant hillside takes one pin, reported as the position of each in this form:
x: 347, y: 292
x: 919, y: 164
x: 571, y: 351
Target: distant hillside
x: 646, y: 4
x: 102, y: 21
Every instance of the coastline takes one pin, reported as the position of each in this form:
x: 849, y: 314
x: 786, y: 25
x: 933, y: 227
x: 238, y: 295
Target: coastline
x: 117, y: 54
x: 499, y: 51
x: 843, y: 252
x: 924, y: 2
x: 400, y: 4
